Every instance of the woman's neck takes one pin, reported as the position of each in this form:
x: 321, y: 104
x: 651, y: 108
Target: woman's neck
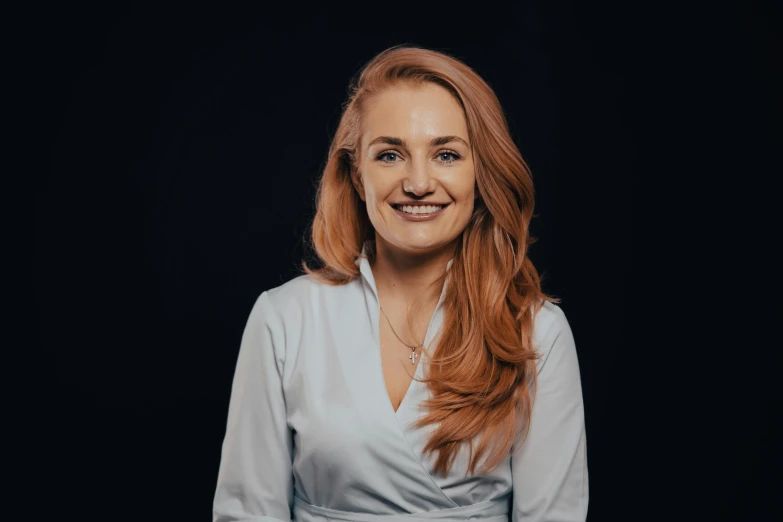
x: 403, y: 277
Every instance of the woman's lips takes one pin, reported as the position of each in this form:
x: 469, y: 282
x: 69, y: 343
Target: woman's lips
x: 420, y: 217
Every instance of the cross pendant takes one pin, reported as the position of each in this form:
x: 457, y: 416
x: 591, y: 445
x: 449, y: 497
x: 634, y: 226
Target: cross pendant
x: 413, y: 356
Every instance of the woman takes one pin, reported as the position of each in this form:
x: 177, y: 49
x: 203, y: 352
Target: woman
x: 420, y: 373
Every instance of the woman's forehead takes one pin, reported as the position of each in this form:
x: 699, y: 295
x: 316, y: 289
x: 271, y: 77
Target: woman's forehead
x: 413, y: 114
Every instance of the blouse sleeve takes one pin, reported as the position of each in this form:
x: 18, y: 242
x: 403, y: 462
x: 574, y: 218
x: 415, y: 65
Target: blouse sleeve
x: 549, y: 471
x: 255, y: 480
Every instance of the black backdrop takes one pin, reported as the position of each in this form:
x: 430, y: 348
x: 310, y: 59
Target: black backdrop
x: 184, y: 149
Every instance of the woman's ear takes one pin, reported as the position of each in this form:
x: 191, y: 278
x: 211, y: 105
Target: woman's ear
x: 358, y: 184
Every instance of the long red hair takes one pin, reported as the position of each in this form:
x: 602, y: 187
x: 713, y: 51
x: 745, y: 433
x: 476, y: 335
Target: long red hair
x: 483, y: 365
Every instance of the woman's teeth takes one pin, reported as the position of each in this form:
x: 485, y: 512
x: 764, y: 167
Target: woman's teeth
x: 420, y: 209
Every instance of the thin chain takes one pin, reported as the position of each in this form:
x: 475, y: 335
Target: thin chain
x: 413, y: 354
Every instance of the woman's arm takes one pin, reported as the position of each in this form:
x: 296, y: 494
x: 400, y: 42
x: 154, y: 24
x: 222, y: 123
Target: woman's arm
x: 549, y: 471
x: 255, y: 478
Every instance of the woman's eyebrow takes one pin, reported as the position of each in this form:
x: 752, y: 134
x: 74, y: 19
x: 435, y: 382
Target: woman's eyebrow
x: 434, y: 142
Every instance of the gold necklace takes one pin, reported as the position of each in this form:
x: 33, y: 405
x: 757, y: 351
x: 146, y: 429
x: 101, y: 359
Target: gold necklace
x: 413, y: 354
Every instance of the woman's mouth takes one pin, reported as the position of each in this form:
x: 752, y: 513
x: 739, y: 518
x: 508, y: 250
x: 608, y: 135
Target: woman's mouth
x: 419, y: 212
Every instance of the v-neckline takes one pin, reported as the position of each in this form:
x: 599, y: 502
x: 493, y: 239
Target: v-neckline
x: 366, y: 270
x: 416, y: 373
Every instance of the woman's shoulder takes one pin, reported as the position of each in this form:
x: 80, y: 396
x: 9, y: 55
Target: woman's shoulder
x: 303, y: 292
x: 548, y: 317
x: 551, y: 328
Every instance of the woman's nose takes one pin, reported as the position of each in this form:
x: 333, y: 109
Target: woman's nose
x: 419, y: 180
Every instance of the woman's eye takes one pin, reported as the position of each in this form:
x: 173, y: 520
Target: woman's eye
x: 384, y: 156
x: 447, y: 157
x: 392, y: 157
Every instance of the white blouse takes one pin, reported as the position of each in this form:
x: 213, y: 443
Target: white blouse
x: 312, y: 435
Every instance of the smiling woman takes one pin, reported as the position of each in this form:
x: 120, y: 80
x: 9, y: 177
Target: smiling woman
x: 417, y: 157
x: 420, y: 373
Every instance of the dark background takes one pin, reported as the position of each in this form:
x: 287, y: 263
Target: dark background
x: 183, y: 146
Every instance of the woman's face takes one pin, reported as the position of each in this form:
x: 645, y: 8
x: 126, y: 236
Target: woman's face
x: 414, y: 152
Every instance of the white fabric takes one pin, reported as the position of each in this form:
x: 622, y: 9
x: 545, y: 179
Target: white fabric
x: 312, y: 435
